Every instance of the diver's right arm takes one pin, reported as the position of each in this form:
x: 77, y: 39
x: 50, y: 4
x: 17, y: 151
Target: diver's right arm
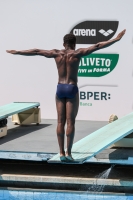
x: 34, y: 52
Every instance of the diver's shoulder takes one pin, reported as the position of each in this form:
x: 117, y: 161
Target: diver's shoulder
x: 56, y: 50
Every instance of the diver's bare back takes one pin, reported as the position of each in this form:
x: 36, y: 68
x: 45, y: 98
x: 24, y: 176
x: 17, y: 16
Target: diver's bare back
x: 67, y: 60
x: 67, y: 64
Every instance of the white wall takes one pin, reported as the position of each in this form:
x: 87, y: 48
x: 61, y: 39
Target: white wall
x: 27, y: 24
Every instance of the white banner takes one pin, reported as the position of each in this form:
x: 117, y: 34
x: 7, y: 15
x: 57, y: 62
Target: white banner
x: 105, y: 82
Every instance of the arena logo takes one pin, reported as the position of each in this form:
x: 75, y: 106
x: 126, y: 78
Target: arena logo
x: 84, y: 32
x: 97, y: 65
x: 92, y: 32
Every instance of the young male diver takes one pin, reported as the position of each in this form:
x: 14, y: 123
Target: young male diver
x: 67, y: 97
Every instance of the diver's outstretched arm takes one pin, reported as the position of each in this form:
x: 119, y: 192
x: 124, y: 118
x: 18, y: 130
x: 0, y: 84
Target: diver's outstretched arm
x: 86, y: 51
x: 33, y: 52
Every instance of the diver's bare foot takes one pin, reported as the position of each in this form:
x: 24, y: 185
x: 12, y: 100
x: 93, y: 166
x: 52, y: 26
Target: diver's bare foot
x: 63, y: 157
x: 68, y: 153
x: 69, y: 158
x: 62, y: 153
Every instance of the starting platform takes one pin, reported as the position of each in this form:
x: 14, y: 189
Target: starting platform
x: 99, y: 140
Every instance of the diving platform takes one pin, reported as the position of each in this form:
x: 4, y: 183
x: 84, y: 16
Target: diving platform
x: 16, y: 107
x: 21, y: 112
x: 99, y: 140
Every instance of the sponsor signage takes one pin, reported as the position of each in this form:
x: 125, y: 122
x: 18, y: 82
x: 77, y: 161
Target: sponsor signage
x: 87, y: 95
x: 92, y: 32
x: 97, y: 65
x: 88, y: 98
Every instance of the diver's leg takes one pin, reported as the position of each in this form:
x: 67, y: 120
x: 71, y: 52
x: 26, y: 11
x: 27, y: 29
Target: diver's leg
x: 71, y: 113
x: 61, y: 112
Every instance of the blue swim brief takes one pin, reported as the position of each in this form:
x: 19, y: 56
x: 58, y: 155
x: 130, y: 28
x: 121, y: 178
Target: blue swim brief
x: 66, y: 91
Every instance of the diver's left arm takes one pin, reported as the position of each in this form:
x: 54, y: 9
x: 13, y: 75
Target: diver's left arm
x: 86, y: 51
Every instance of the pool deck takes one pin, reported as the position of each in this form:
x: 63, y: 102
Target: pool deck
x: 42, y: 138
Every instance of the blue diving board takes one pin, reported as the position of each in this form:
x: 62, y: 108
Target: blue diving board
x: 16, y: 107
x: 99, y: 140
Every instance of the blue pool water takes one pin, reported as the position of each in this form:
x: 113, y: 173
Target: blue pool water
x: 30, y: 195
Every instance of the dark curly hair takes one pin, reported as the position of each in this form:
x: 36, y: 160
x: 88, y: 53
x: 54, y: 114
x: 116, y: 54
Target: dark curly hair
x: 69, y: 39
